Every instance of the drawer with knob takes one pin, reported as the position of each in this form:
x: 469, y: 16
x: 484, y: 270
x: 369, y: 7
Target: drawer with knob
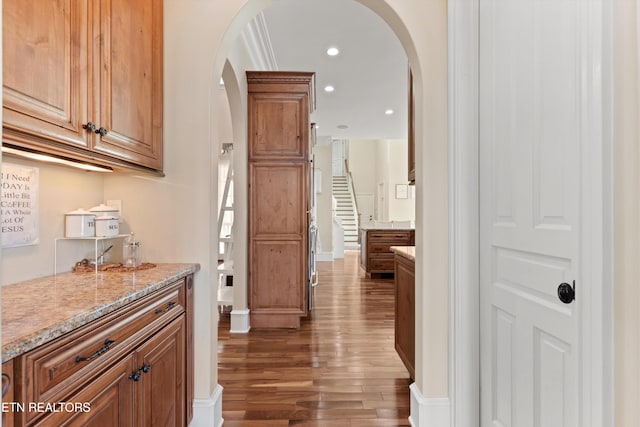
x: 57, y: 369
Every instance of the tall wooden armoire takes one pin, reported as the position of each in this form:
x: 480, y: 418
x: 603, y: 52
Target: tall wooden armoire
x: 279, y: 106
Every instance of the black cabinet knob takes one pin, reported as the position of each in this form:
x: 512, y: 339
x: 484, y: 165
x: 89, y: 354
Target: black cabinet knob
x: 90, y: 126
x: 102, y: 131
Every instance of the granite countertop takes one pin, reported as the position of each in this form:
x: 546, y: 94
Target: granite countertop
x: 37, y: 311
x: 408, y: 252
x: 401, y: 225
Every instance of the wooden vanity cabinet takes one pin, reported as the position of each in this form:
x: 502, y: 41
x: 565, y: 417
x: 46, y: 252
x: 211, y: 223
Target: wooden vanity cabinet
x: 84, y: 80
x: 132, y: 367
x: 279, y: 105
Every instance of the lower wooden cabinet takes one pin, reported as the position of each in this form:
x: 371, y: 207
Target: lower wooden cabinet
x: 7, y: 392
x: 160, y: 392
x: 405, y: 312
x: 132, y: 367
x: 106, y: 401
x: 376, y: 257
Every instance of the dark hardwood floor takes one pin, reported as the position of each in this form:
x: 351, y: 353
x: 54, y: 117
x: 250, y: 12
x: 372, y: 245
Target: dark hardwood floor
x: 339, y: 369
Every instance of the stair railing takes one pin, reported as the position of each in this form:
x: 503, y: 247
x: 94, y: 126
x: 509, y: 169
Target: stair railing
x: 352, y: 191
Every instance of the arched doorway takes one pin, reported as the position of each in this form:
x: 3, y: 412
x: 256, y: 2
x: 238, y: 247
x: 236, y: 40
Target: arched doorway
x: 199, y: 39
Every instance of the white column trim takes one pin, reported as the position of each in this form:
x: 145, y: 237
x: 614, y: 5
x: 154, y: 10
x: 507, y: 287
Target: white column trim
x: 429, y: 412
x: 595, y: 273
x: 208, y: 412
x: 240, y: 321
x: 464, y: 274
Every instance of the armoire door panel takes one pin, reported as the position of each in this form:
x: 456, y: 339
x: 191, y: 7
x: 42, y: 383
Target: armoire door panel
x: 278, y: 201
x: 276, y: 285
x: 278, y: 126
x: 278, y: 156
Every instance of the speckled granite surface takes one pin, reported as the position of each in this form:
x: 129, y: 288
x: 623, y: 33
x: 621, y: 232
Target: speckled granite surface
x: 408, y: 252
x: 38, y: 311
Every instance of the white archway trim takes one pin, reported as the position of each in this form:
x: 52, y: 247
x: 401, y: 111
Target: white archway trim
x: 256, y: 38
x: 429, y: 412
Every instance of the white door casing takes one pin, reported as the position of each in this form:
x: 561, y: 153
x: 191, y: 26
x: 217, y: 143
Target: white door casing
x: 532, y: 96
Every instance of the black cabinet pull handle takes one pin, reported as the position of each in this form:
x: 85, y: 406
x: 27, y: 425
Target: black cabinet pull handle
x: 102, y: 131
x: 167, y: 308
x: 90, y: 126
x: 107, y: 345
x: 137, y: 374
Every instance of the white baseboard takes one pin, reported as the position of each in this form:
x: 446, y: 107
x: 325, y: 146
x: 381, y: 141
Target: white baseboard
x: 208, y: 412
x: 240, y: 321
x: 429, y: 411
x: 324, y: 256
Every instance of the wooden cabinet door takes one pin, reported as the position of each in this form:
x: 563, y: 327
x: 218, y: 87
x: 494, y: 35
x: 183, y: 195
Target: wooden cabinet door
x: 106, y: 401
x: 8, y: 394
x: 405, y: 312
x: 44, y: 72
x: 278, y: 230
x: 128, y: 80
x: 278, y: 126
x: 161, y: 392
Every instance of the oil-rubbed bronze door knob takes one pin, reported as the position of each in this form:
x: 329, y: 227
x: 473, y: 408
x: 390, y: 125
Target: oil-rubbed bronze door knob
x: 566, y: 292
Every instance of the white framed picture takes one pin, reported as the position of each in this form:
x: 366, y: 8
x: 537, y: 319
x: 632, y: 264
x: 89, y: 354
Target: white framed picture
x: 19, y: 204
x: 402, y: 191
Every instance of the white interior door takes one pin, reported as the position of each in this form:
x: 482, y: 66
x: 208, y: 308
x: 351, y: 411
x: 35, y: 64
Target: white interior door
x: 531, y: 101
x: 365, y: 208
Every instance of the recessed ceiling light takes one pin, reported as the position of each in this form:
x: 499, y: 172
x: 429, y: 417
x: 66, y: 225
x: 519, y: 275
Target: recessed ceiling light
x: 333, y: 51
x: 329, y: 88
x: 388, y: 112
x: 342, y: 127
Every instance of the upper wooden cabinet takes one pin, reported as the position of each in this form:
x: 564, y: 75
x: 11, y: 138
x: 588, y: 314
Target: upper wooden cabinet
x: 84, y: 79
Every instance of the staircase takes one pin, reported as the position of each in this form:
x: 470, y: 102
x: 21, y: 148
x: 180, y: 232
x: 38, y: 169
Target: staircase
x: 345, y: 210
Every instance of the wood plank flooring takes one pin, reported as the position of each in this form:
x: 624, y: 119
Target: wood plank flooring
x: 340, y: 369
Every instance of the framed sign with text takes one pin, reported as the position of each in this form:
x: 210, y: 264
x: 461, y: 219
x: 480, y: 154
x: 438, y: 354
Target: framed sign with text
x: 19, y: 205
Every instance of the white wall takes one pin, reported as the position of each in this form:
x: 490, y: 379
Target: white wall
x: 62, y: 189
x: 324, y: 214
x: 397, y: 173
x: 362, y: 164
x: 627, y: 213
x: 390, y: 165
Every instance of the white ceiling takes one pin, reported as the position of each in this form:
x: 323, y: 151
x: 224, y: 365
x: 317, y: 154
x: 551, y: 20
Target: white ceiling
x: 369, y: 74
